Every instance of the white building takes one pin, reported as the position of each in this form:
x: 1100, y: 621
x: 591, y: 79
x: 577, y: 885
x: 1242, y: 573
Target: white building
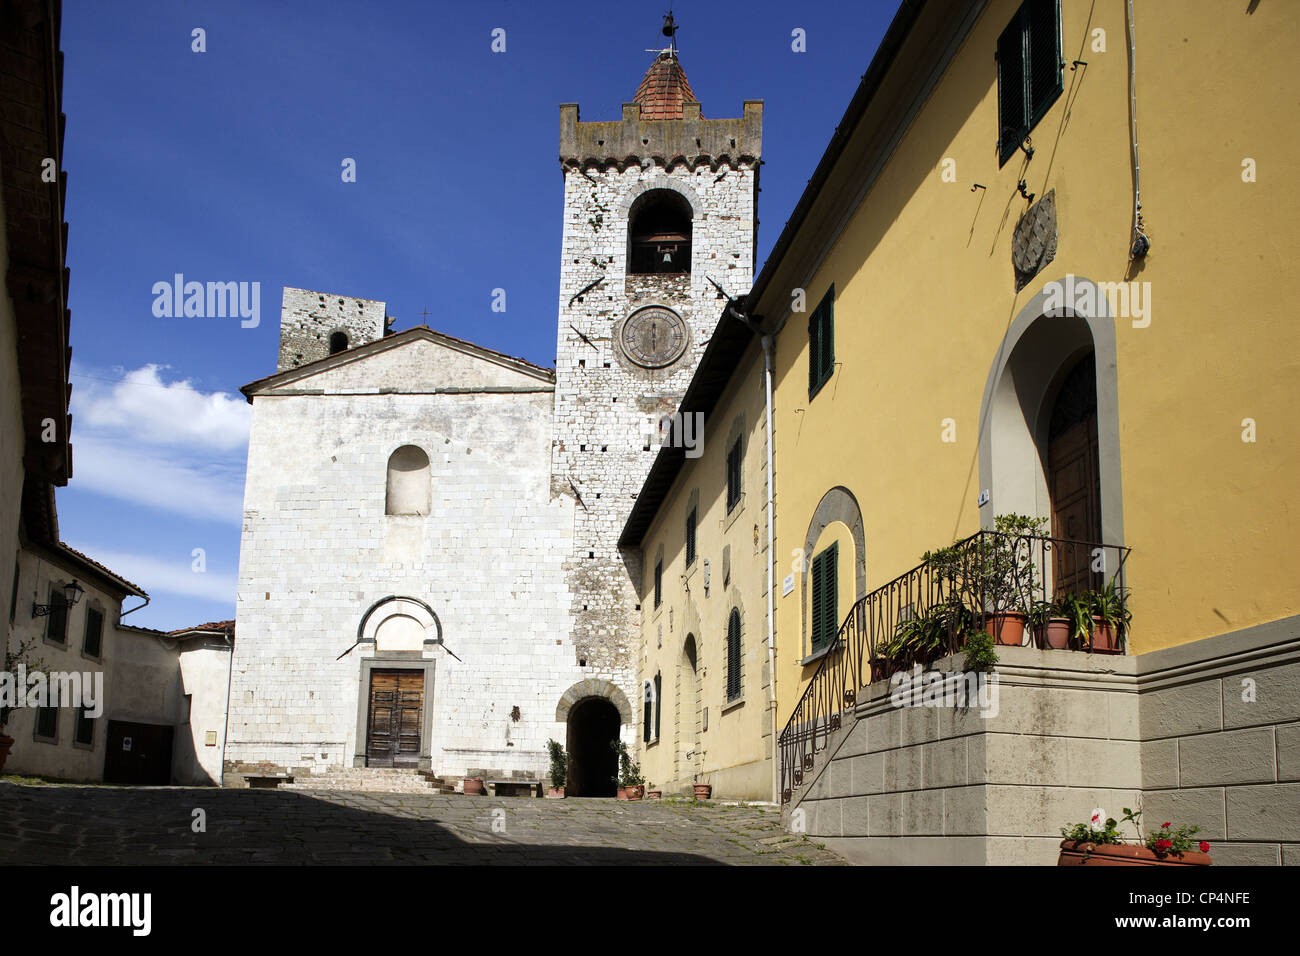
x: 429, y: 570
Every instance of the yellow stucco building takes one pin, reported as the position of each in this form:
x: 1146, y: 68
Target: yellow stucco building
x: 1035, y: 273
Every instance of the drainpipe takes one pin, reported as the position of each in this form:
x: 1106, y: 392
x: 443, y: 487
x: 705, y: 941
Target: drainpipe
x: 1139, y: 244
x: 771, y: 579
x: 766, y: 341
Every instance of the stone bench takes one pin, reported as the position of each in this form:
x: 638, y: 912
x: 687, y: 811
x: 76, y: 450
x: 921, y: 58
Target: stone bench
x: 512, y: 787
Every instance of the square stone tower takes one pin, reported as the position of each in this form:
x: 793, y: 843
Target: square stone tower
x: 316, y: 324
x: 656, y: 205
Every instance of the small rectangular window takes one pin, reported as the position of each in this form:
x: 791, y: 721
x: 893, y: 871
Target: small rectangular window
x: 56, y: 628
x: 93, y: 645
x: 733, y: 477
x: 690, y: 537
x: 659, y: 583
x: 47, y: 723
x: 85, y: 733
x: 821, y: 343
x: 1030, y: 72
x: 647, y: 713
x: 825, y: 600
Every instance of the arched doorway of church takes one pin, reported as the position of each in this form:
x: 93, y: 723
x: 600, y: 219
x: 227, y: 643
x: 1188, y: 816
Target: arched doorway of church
x: 593, y: 763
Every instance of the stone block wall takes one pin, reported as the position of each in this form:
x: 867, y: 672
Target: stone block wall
x: 607, y: 408
x: 317, y: 550
x: 1220, y: 723
x: 1205, y: 734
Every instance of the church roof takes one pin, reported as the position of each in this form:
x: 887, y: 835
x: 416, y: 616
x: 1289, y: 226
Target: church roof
x: 395, y: 340
x: 664, y: 89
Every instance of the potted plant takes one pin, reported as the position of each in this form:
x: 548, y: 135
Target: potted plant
x: 1098, y: 843
x: 1076, y: 611
x: 630, y: 783
x: 980, y: 655
x: 559, y: 770
x: 474, y: 787
x: 703, y: 791
x: 21, y: 656
x: 1111, y: 617
x: 1050, y: 624
x: 653, y: 794
x: 1005, y: 576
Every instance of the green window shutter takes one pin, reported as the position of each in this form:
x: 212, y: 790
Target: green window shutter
x: 818, y: 615
x: 659, y: 583
x: 829, y: 577
x: 57, y: 629
x: 825, y: 599
x: 85, y: 732
x: 94, y: 632
x: 47, y: 722
x: 733, y: 655
x: 814, y: 353
x: 647, y: 714
x: 821, y: 343
x: 1045, y: 74
x: 1013, y: 119
x: 690, y: 538
x: 659, y: 700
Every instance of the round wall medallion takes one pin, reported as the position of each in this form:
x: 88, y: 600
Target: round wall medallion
x: 654, y: 336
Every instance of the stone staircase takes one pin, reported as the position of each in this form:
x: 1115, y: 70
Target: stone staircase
x: 372, y: 780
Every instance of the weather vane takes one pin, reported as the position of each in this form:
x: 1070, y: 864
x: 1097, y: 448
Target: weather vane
x: 670, y: 31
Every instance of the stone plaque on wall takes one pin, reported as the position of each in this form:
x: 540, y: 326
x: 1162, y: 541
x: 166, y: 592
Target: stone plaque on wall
x: 1033, y: 245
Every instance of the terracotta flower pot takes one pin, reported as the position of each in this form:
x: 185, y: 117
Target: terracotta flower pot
x: 6, y: 742
x: 636, y: 792
x: 1006, y: 629
x: 1124, y: 854
x: 622, y: 794
x: 654, y: 794
x: 1056, y: 634
x: 554, y: 793
x: 703, y: 791
x: 1104, y: 638
x: 474, y: 787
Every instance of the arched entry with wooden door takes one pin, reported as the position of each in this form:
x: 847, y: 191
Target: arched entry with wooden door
x: 1049, y: 426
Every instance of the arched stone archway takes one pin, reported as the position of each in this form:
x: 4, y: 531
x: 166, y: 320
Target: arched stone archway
x: 592, y: 711
x: 1055, y: 330
x: 591, y: 730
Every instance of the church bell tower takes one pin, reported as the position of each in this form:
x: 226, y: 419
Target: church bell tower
x: 658, y: 206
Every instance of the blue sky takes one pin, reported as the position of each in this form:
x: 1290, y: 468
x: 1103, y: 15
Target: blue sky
x: 225, y: 166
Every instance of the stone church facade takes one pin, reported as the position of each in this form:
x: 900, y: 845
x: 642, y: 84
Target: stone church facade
x: 429, y: 571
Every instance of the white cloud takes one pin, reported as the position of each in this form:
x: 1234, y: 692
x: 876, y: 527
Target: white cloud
x: 165, y: 577
x: 204, y: 489
x: 143, y: 409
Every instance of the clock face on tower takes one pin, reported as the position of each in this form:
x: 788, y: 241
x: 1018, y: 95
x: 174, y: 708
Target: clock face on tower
x: 654, y: 336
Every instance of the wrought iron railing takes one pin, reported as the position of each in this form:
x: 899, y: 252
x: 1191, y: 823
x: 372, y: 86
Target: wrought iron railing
x: 1021, y: 589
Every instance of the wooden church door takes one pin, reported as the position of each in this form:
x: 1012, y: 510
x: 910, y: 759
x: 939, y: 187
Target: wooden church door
x: 396, y: 718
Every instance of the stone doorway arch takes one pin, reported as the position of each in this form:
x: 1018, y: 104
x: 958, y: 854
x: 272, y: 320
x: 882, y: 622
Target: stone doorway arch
x: 593, y: 712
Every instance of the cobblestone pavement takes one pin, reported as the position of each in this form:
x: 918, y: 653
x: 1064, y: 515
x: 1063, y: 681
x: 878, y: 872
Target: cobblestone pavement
x: 99, y: 825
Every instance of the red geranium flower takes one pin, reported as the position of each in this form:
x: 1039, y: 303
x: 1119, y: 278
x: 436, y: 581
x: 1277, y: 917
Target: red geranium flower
x: 1164, y: 844
x: 1165, y: 826
x: 1205, y: 847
